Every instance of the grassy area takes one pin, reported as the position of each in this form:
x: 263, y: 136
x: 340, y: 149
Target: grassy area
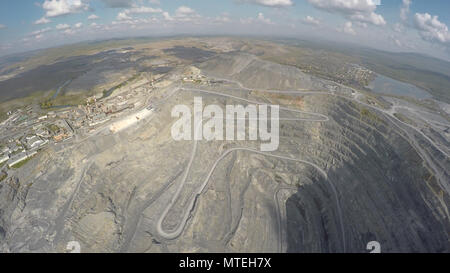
x: 22, y: 163
x: 14, y: 104
x: 65, y: 100
x: 3, y: 176
x: 369, y: 115
x: 405, y: 119
x: 52, y: 55
x: 17, y: 152
x: 3, y: 116
x: 49, y: 101
x: 53, y: 128
x: 107, y: 93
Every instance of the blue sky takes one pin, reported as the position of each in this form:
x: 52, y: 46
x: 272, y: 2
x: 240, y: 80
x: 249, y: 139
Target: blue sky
x: 395, y: 25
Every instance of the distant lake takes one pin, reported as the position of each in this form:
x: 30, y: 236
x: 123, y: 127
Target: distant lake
x: 385, y: 85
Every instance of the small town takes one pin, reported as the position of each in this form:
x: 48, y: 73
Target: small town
x: 28, y: 131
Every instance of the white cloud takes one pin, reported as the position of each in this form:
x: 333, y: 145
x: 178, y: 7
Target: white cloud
x: 355, y: 10
x: 309, y: 20
x: 182, y: 14
x: 78, y: 25
x: 42, y: 21
x: 137, y: 23
x: 62, y: 26
x: 69, y: 31
x: 40, y: 31
x: 404, y: 10
x: 399, y: 28
x: 347, y: 28
x: 143, y: 9
x: 270, y: 3
x: 93, y: 17
x: 371, y: 17
x: 2, y: 26
x: 361, y: 24
x: 37, y: 34
x: 184, y: 11
x: 56, y: 8
x: 126, y: 14
x: 398, y: 43
x: 224, y: 18
x: 259, y: 18
x: 404, y: 13
x: 123, y: 16
x: 264, y: 19
x: 431, y: 29
x: 403, y: 44
x: 167, y: 16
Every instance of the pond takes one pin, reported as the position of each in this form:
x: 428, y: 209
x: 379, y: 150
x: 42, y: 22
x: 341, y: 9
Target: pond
x: 385, y: 85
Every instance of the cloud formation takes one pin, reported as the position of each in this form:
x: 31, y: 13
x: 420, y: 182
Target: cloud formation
x: 309, y: 20
x: 93, y: 17
x: 431, y: 29
x: 126, y: 14
x: 404, y: 10
x: 270, y: 3
x: 62, y: 26
x: 348, y: 28
x: 354, y: 10
x: 55, y: 8
x: 42, y: 21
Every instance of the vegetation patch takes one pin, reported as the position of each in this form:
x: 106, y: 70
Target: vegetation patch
x: 22, y: 163
x: 65, y: 100
x: 53, y: 128
x: 107, y: 93
x: 3, y: 176
x: 369, y: 115
x: 405, y: 119
x: 3, y: 116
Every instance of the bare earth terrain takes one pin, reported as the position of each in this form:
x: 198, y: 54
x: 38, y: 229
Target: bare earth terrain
x: 353, y: 166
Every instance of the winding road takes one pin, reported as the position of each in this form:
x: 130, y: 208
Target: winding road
x: 173, y: 234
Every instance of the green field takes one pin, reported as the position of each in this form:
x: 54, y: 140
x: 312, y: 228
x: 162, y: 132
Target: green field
x: 22, y: 163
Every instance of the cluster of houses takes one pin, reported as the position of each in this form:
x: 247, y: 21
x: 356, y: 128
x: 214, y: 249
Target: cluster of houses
x: 97, y: 113
x: 32, y: 134
x: 29, y: 130
x: 19, y: 150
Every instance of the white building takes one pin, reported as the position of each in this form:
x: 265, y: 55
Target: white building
x: 34, y: 141
x: 20, y: 157
x: 17, y: 159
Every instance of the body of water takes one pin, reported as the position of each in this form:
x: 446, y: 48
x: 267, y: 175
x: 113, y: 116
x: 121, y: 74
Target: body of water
x: 385, y: 85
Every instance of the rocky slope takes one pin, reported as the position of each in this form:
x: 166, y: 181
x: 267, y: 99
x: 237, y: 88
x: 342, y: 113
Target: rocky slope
x: 383, y: 181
